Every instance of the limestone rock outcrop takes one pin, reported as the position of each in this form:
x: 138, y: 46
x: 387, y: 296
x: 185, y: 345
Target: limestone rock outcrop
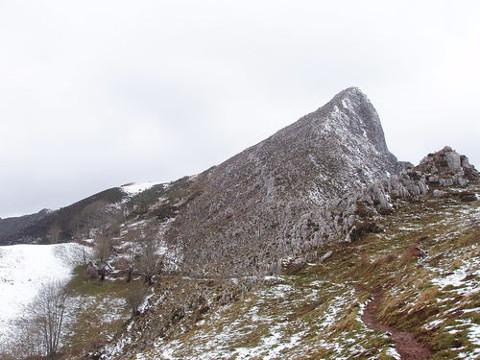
x: 289, y: 193
x: 447, y: 167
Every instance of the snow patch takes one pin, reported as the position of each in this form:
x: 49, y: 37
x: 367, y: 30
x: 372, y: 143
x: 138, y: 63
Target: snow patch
x: 463, y: 278
x: 393, y: 353
x: 136, y: 188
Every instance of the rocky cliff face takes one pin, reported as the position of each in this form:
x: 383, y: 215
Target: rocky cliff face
x: 274, y: 199
x: 400, y: 241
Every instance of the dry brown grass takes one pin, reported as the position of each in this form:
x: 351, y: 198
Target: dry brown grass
x: 411, y: 254
x: 348, y: 322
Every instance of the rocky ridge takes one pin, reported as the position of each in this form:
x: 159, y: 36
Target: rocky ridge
x: 287, y: 208
x: 277, y: 198
x: 355, y: 214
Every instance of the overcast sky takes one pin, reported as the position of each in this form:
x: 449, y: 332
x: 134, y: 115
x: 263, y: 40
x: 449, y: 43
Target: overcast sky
x: 94, y: 94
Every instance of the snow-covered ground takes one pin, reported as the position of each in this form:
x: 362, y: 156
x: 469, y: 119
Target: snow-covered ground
x: 137, y: 188
x: 23, y: 270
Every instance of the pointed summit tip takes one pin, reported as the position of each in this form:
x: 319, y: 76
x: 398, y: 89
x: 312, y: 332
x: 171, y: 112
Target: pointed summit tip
x: 351, y: 91
x: 351, y: 97
x: 352, y: 111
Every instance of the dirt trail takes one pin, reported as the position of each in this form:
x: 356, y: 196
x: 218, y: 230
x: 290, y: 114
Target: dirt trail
x: 405, y: 343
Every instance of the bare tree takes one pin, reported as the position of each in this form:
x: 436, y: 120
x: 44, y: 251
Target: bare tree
x: 134, y: 298
x: 47, y: 317
x: 103, y: 247
x: 103, y: 250
x: 113, y: 223
x: 147, y: 257
x: 148, y: 262
x: 54, y: 233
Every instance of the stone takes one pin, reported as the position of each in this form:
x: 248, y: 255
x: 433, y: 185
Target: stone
x: 453, y: 160
x: 325, y: 256
x: 467, y: 196
x: 439, y: 193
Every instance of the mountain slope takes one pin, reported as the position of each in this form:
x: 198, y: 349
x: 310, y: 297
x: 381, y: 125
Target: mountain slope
x: 12, y: 229
x: 408, y: 292
x: 75, y: 220
x: 253, y: 209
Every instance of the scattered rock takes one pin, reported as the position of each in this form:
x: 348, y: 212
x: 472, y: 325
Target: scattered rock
x: 466, y: 196
x: 439, y: 193
x: 325, y: 256
x: 293, y: 265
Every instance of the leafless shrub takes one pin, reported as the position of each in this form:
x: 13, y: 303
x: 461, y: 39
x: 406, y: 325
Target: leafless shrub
x: 48, y: 312
x: 26, y: 343
x: 103, y: 247
x: 134, y: 298
x: 145, y: 254
x: 148, y: 262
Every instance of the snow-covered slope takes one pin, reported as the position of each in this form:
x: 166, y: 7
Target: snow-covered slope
x: 23, y: 270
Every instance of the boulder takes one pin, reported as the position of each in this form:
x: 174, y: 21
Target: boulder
x: 467, y: 196
x: 439, y: 193
x: 453, y: 161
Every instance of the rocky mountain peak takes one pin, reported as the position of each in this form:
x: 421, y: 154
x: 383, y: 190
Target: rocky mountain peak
x: 271, y: 199
x: 351, y: 92
x: 352, y: 110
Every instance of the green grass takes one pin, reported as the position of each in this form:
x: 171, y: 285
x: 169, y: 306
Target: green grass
x: 80, y: 284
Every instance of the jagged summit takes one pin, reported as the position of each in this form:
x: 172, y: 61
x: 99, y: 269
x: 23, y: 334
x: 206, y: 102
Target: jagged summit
x: 339, y: 137
x: 351, y: 109
x: 351, y: 92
